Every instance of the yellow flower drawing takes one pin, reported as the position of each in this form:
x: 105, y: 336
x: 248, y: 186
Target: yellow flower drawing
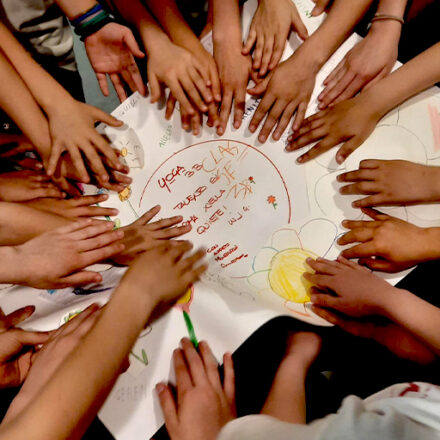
x: 278, y: 268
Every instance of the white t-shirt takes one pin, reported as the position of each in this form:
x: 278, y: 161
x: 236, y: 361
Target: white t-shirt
x: 408, y: 411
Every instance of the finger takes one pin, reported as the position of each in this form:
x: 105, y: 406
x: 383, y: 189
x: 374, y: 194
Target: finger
x: 95, y: 211
x: 95, y: 163
x: 89, y: 200
x: 148, y: 216
x: 155, y: 90
x: 79, y: 279
x: 250, y: 41
x: 188, y: 263
x: 258, y: 53
x: 375, y: 214
x: 119, y: 87
x: 284, y: 121
x: 78, y: 162
x: 194, y: 362
x: 271, y: 120
x: 101, y: 116
x: 300, y: 114
x: 183, y: 377
x: 103, y: 84
x: 323, y: 266
x: 278, y: 50
x: 373, y: 200
x: 269, y: 44
x: 261, y: 87
x: 211, y: 366
x: 327, y: 301
x: 318, y: 149
x: 350, y: 224
x: 26, y: 338
x: 348, y: 148
x: 126, y: 76
x: 215, y: 82
x: 229, y: 379
x: 193, y: 275
x: 352, y: 89
x: 341, y: 83
x: 350, y: 326
x: 323, y: 281
x: 55, y: 154
x: 15, y: 318
x: 299, y: 26
x: 357, y: 176
x: 264, y: 106
x: 378, y: 264
x: 312, y: 136
x: 225, y: 111
x: 239, y: 104
x: 361, y: 250
x: 104, y: 147
x: 102, y: 254
x: 100, y: 241
x: 131, y: 43
x: 170, y: 106
x: 168, y: 406
x: 193, y: 87
x: 335, y: 72
x: 165, y: 223
x: 196, y: 122
x: 179, y: 94
x: 213, y: 119
x: 360, y: 235
x: 88, y: 230
x: 359, y: 188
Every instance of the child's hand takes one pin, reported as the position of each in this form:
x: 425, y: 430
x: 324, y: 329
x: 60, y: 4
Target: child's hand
x: 57, y: 259
x: 182, y: 73
x: 350, y: 122
x: 19, y: 186
x: 72, y: 129
x: 358, y: 291
x: 387, y: 243
x: 320, y: 7
x: 398, y: 340
x: 54, y: 352
x: 382, y: 181
x: 169, y: 271
x: 111, y: 51
x: 289, y: 88
x: 142, y: 235
x: 14, y: 318
x: 235, y: 69
x: 13, y: 148
x: 269, y: 31
x: 368, y: 62
x: 203, y: 404
x: 75, y: 208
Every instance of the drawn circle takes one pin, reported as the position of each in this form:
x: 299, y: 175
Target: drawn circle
x: 222, y: 187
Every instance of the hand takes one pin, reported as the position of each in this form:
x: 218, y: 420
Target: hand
x: 169, y: 272
x: 19, y: 186
x: 398, y: 340
x: 382, y: 181
x: 181, y: 72
x: 56, y: 259
x: 142, y: 235
x: 17, y: 347
x: 358, y: 291
x: 350, y: 122
x: 75, y: 208
x: 72, y: 128
x: 289, y: 88
x: 320, y: 7
x: 13, y: 148
x: 367, y: 63
x: 235, y: 69
x: 387, y: 243
x: 189, y: 121
x: 54, y: 352
x: 203, y: 405
x: 269, y: 31
x: 111, y: 51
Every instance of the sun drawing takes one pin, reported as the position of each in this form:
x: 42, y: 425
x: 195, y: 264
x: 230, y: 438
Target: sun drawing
x: 278, y: 268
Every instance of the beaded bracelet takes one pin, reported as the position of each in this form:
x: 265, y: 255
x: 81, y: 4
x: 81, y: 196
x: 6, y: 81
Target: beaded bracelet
x: 91, y: 21
x: 380, y: 17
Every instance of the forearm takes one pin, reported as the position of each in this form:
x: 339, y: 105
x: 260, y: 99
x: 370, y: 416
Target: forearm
x: 392, y: 7
x: 168, y: 15
x: 46, y: 90
x: 78, y: 395
x: 17, y: 101
x: 419, y: 317
x: 226, y: 23
x: 287, y: 400
x: 413, y: 77
x: 337, y: 26
x: 19, y: 223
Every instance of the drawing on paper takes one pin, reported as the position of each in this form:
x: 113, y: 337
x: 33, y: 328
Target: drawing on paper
x: 279, y: 267
x: 129, y: 145
x: 184, y: 303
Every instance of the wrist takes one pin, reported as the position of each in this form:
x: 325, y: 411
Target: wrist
x: 15, y: 269
x: 385, y: 28
x: 429, y: 242
x: 153, y: 38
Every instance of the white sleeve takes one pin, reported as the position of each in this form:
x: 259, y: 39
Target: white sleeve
x: 355, y: 420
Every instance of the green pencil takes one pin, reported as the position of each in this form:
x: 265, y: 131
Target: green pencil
x: 191, y: 332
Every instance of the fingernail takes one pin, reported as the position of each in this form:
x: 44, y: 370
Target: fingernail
x: 251, y: 128
x: 160, y: 387
x: 300, y: 159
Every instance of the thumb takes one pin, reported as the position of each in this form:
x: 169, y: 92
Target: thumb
x: 299, y: 26
x: 106, y: 118
x: 131, y: 43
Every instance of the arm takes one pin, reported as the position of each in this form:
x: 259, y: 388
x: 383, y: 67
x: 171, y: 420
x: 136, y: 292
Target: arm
x: 289, y: 88
x: 370, y: 60
x: 103, y: 350
x: 354, y: 120
x: 110, y: 50
x: 71, y: 123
